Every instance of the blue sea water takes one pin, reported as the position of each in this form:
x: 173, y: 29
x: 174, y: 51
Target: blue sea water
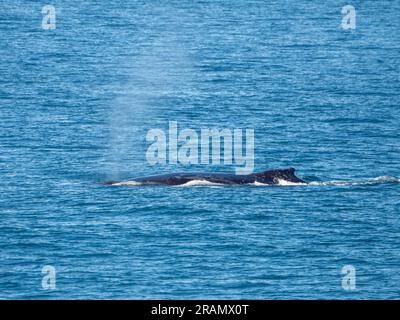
x: 76, y: 103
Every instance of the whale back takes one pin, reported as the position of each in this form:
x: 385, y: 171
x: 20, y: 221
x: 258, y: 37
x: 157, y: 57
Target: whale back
x: 268, y: 177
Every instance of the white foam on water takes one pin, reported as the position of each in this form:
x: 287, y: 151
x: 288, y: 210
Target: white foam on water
x: 283, y: 182
x: 127, y: 183
x: 330, y: 183
x: 199, y: 183
x: 260, y: 184
x: 361, y: 182
x: 387, y: 179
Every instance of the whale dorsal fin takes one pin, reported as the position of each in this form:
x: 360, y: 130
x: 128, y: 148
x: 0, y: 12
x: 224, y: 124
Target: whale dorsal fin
x: 285, y: 174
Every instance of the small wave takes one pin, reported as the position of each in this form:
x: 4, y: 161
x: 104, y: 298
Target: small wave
x: 283, y: 182
x: 279, y: 182
x: 259, y: 184
x: 199, y: 183
x: 127, y: 183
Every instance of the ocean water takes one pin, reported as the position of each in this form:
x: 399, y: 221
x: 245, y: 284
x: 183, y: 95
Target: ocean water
x: 76, y: 103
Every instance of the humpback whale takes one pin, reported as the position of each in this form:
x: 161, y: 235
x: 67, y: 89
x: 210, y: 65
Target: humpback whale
x: 270, y: 177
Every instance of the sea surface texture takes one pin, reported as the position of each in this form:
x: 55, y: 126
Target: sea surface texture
x: 77, y: 101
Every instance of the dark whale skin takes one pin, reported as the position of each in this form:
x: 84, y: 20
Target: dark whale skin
x: 266, y: 177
